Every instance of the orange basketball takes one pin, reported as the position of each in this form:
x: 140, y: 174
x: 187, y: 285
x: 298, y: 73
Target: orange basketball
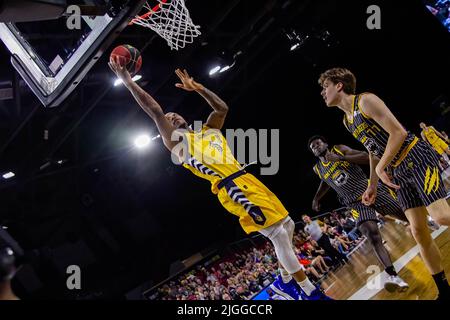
x: 129, y: 56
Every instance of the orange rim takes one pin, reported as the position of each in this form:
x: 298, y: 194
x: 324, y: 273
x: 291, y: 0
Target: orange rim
x: 145, y: 15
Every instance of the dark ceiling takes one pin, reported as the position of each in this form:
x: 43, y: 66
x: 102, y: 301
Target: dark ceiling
x: 129, y: 215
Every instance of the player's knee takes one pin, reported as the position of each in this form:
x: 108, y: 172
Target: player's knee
x: 421, y: 235
x: 281, y: 239
x: 291, y: 226
x: 375, y: 238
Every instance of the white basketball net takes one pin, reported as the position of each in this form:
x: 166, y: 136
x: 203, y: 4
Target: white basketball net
x: 172, y: 22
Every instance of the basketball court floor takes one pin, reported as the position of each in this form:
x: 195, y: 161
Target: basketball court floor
x: 355, y: 281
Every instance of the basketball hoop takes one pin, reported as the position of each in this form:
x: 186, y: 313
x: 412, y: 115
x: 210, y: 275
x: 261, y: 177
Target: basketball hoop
x: 171, y: 20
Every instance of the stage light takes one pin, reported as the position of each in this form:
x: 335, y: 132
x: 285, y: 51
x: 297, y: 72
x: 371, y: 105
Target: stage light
x: 135, y: 78
x: 214, y: 70
x: 226, y: 61
x: 224, y: 69
x: 142, y: 141
x: 8, y: 175
x: 295, y: 46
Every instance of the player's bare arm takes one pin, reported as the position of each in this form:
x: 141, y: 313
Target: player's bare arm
x: 146, y: 102
x: 375, y: 108
x: 217, y: 118
x: 321, y: 192
x: 352, y: 155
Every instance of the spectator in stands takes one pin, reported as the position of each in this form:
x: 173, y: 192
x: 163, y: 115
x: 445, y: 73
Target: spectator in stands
x: 316, y: 233
x: 317, y: 260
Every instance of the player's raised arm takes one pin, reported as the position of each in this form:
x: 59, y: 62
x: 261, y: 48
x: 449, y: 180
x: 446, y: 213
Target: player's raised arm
x: 217, y: 118
x: 146, y: 102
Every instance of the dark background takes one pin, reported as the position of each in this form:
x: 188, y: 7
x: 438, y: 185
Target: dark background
x: 125, y: 216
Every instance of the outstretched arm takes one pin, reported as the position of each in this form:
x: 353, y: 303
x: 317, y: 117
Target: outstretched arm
x: 352, y: 155
x: 217, y: 118
x: 375, y: 108
x: 146, y: 102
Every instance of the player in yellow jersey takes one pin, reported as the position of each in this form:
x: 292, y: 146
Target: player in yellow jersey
x: 412, y: 163
x: 206, y: 153
x: 437, y: 140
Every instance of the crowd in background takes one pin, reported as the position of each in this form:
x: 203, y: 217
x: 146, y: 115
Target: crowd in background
x: 243, y: 274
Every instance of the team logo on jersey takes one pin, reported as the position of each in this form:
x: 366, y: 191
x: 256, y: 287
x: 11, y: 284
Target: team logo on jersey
x: 431, y: 180
x: 372, y: 146
x: 215, y: 144
x: 341, y: 178
x: 354, y: 213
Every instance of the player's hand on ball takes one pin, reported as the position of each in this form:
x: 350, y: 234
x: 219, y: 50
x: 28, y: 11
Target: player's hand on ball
x: 187, y: 82
x: 120, y: 71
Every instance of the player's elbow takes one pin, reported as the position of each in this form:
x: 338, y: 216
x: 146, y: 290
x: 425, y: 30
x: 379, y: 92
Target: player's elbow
x: 402, y: 133
x: 399, y: 132
x: 224, y: 108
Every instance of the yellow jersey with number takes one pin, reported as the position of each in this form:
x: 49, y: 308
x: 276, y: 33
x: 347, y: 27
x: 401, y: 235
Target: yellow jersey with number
x: 210, y: 158
x: 436, y: 142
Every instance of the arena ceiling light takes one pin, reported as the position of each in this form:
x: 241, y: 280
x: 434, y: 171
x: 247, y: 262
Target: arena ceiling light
x: 142, y: 141
x: 227, y: 61
x: 214, y: 70
x: 135, y: 78
x: 296, y: 39
x: 8, y: 175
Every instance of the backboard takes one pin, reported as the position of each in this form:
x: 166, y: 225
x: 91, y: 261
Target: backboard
x: 53, y: 68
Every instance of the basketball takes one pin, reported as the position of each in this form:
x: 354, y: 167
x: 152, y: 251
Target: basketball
x: 129, y: 56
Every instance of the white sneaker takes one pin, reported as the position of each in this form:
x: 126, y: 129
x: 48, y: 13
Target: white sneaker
x: 432, y: 225
x: 395, y: 283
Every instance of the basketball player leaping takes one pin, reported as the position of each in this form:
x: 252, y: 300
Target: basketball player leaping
x: 239, y: 192
x: 411, y: 162
x: 339, y: 169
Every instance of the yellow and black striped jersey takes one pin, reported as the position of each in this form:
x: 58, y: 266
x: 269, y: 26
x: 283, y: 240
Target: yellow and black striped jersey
x: 372, y: 135
x: 347, y: 179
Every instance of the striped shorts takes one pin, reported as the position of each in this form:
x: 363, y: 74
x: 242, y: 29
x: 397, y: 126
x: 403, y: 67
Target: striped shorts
x: 362, y: 213
x: 386, y: 203
x: 419, y: 177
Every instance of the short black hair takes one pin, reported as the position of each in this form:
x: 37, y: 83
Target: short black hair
x: 316, y: 137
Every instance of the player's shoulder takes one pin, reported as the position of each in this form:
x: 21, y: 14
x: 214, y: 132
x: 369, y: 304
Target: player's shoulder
x: 368, y: 97
x: 315, y: 168
x: 340, y: 148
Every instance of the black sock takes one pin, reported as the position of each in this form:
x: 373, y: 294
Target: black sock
x: 441, y: 282
x: 391, y: 271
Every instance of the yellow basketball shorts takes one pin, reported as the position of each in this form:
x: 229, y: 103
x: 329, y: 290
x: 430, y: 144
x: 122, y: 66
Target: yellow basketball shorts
x: 255, y: 205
